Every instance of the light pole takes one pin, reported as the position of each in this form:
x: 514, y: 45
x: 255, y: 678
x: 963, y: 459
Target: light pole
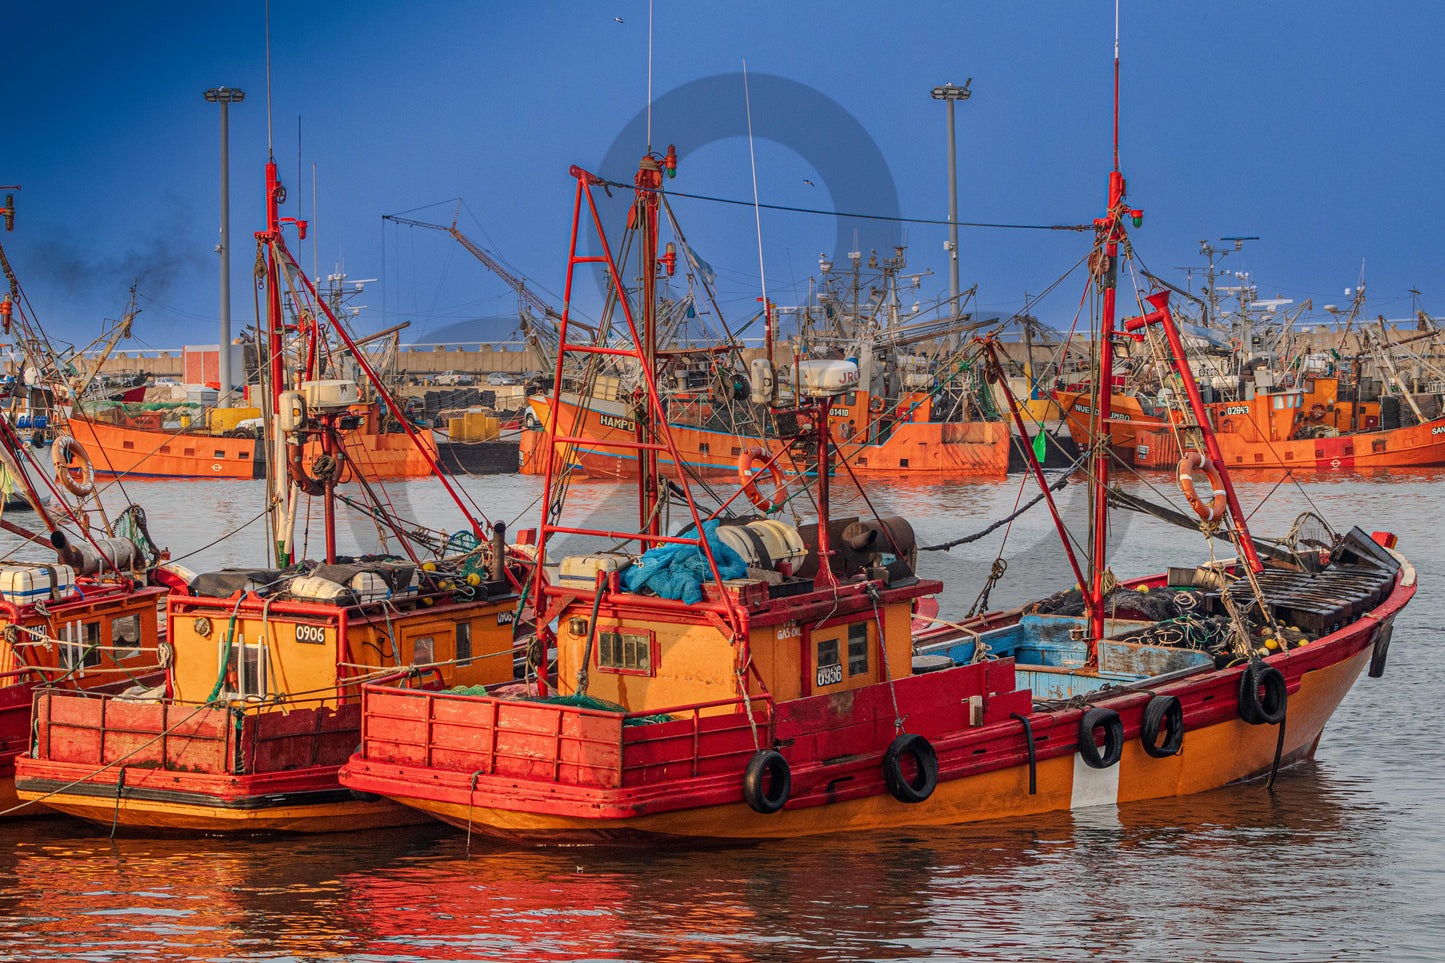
x: 949, y: 93
x: 225, y: 96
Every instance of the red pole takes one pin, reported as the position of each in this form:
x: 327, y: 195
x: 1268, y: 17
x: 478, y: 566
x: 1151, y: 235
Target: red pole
x: 1113, y: 230
x: 1180, y: 363
x: 381, y: 391
x: 1034, y: 464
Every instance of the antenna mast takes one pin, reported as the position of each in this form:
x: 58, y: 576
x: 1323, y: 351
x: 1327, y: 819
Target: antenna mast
x: 758, y: 219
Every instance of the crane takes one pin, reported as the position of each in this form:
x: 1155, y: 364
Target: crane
x: 542, y: 338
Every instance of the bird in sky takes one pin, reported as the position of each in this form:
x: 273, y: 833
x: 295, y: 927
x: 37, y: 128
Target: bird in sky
x: 618, y: 19
x: 809, y: 183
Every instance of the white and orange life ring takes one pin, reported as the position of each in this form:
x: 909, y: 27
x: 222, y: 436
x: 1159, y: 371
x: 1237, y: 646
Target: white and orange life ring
x: 1188, y: 465
x: 65, y: 450
x: 747, y: 478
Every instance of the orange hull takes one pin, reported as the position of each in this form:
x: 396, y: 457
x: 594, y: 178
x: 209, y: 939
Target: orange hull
x: 1147, y: 441
x: 912, y: 449
x: 116, y: 450
x: 1217, y: 754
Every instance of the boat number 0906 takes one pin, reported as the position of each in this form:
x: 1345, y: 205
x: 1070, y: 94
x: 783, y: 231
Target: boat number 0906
x: 311, y: 634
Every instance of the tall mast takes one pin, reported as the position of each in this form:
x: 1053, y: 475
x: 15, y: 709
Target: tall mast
x: 1110, y: 230
x: 649, y: 182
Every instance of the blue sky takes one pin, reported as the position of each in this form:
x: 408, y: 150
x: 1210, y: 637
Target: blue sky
x: 1312, y: 125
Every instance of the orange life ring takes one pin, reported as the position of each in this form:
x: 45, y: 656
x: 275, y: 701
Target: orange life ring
x: 746, y: 478
x: 1317, y: 411
x: 1188, y: 465
x: 65, y: 450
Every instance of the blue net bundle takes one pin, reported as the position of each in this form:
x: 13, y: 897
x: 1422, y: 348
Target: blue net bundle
x: 675, y: 571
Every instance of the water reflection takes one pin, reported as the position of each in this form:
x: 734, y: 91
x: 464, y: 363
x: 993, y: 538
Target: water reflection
x: 1340, y: 862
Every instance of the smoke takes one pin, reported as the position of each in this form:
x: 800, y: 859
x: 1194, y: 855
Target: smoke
x: 157, y: 257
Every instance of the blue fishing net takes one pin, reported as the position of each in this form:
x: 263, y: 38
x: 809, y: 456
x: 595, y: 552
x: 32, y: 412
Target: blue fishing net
x: 676, y: 571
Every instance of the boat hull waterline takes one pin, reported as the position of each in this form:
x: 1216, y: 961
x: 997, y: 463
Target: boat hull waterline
x: 984, y: 771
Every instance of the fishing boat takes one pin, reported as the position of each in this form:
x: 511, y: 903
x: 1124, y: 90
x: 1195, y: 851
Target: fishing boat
x: 259, y: 706
x: 909, y: 414
x: 1309, y: 428
x: 745, y: 679
x: 1272, y: 414
x: 85, y: 621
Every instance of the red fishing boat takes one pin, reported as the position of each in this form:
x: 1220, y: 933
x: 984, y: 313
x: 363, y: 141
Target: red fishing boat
x: 743, y: 679
x: 135, y: 448
x: 263, y: 666
x: 86, y: 622
x: 902, y: 441
x: 1277, y: 430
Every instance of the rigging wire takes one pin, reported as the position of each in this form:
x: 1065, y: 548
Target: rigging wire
x: 868, y: 217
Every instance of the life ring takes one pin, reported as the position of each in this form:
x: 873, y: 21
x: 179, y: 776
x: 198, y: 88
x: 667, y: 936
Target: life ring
x: 1108, y: 720
x: 1188, y: 465
x: 1266, y: 710
x: 875, y: 405
x: 750, y: 486
x: 62, y: 453
x: 925, y: 764
x: 767, y: 781
x: 1317, y: 411
x: 1164, y: 712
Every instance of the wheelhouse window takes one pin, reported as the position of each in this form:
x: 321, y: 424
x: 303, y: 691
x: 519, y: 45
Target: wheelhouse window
x: 625, y: 652
x: 248, y: 670
x: 829, y: 665
x: 464, y: 643
x: 125, y: 636
x: 423, y: 650
x: 858, y: 648
x: 80, y: 646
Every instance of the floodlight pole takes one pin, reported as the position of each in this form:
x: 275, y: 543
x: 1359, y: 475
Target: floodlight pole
x: 948, y: 93
x: 225, y: 97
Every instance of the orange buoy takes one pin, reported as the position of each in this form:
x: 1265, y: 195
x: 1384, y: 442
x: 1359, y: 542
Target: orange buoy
x: 746, y: 478
x: 1188, y: 465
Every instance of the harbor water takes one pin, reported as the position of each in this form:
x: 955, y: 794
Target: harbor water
x: 1341, y: 860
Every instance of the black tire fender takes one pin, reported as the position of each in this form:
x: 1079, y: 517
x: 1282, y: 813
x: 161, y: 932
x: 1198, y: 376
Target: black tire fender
x: 1266, y: 710
x: 1094, y: 718
x: 925, y: 762
x: 1382, y: 650
x: 770, y: 796
x: 357, y: 794
x: 1166, y: 713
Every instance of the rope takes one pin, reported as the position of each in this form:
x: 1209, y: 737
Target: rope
x: 869, y: 217
x: 115, y: 762
x: 1057, y: 485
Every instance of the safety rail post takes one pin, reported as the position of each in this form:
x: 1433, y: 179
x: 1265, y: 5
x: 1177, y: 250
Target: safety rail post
x: 639, y: 350
x: 1179, y: 362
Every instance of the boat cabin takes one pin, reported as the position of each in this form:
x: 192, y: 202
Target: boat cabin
x: 80, y: 633
x: 804, y: 637
x: 1284, y: 414
x: 316, y: 644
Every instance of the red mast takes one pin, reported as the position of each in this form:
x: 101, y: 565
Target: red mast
x: 1110, y: 231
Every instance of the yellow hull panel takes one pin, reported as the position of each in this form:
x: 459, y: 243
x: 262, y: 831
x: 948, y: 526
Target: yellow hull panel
x: 1211, y: 757
x: 141, y: 814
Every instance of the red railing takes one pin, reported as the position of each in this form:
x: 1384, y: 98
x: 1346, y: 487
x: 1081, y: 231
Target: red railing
x: 554, y: 742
